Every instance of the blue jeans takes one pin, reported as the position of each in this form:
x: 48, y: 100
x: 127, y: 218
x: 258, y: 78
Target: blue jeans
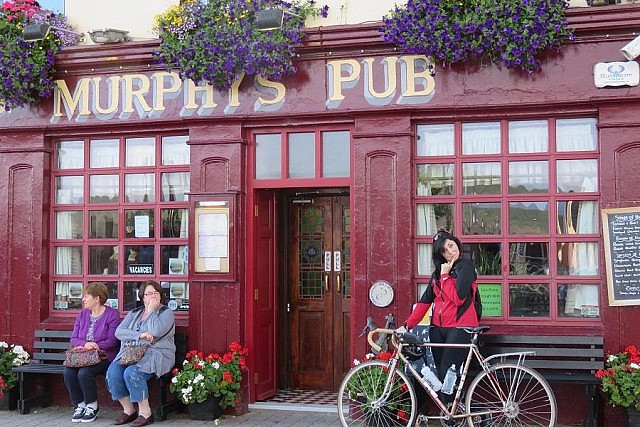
x: 127, y: 381
x: 81, y: 382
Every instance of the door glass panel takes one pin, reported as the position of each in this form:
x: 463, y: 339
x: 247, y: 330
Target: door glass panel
x: 578, y: 300
x: 531, y: 136
x: 68, y: 260
x: 578, y: 217
x: 310, y: 256
x: 103, y: 189
x: 577, y: 176
x: 528, y: 177
x: 435, y: 140
x: 528, y: 218
x: 302, y: 155
x: 529, y: 259
x: 481, y: 178
x: 268, y: 156
x: 69, y: 190
x: 336, y: 154
x: 175, y: 186
x: 576, y: 135
x: 578, y: 258
x: 140, y: 152
x: 435, y: 179
x: 481, y: 138
x: 433, y: 217
x: 103, y: 259
x: 139, y: 223
x: 69, y: 225
x: 175, y: 150
x: 103, y: 224
x: 529, y: 300
x: 70, y: 154
x: 104, y: 153
x: 481, y: 218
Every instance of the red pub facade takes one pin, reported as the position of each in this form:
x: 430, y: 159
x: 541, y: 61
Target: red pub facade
x: 276, y: 213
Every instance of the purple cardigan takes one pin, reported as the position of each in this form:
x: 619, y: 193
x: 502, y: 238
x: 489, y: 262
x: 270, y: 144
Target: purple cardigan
x: 104, y: 332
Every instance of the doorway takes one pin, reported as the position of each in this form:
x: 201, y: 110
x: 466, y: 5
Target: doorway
x: 319, y: 289
x: 302, y: 290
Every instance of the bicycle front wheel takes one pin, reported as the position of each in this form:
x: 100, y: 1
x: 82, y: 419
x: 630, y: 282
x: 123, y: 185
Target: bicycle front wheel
x: 511, y: 395
x: 362, y: 401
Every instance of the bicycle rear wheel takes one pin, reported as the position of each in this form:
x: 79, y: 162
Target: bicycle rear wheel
x: 520, y: 397
x: 361, y: 401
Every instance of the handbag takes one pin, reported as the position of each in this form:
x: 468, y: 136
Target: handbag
x: 133, y: 353
x: 79, y: 357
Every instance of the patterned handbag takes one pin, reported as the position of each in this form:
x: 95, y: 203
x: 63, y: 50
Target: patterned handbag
x: 133, y: 353
x: 79, y: 357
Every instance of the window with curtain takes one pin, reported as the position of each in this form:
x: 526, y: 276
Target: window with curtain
x: 120, y: 212
x: 523, y: 197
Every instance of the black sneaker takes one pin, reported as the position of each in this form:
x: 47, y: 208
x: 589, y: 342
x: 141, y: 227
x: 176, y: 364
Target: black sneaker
x: 78, y: 414
x: 90, y: 414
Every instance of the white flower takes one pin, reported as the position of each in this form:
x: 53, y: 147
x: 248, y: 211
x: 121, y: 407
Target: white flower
x: 369, y: 356
x: 4, y: 344
x: 611, y: 358
x: 215, y: 365
x: 634, y: 366
x: 200, y: 364
x: 174, y: 380
x: 356, y: 362
x: 198, y: 378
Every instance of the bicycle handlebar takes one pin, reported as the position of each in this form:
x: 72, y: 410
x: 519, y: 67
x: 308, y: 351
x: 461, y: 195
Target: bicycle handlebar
x: 371, y: 333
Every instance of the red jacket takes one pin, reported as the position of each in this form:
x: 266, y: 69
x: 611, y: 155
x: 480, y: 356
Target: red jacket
x: 448, y: 295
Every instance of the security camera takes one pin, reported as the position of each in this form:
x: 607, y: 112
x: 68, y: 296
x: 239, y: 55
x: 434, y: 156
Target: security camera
x: 632, y: 49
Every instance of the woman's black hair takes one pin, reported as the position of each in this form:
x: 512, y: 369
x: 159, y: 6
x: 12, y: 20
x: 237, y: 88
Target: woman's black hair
x: 438, y: 249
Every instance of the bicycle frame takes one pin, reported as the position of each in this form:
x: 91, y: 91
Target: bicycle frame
x: 473, y: 352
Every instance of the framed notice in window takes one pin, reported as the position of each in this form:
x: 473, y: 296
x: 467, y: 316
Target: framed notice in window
x: 214, y: 237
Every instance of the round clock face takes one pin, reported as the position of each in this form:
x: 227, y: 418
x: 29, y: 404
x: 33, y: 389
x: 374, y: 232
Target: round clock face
x: 381, y: 293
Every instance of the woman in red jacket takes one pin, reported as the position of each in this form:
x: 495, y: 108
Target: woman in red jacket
x: 450, y: 292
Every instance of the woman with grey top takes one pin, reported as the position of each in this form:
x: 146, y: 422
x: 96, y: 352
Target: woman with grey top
x: 128, y: 384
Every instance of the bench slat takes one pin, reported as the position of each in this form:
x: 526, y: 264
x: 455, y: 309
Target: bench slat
x: 46, y: 333
x: 544, y: 339
x: 585, y: 353
x: 51, y: 345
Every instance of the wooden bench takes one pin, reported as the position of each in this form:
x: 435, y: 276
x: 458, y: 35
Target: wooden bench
x: 567, y: 359
x: 49, y: 353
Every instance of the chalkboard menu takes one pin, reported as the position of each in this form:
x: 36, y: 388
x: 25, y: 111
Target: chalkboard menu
x: 621, y: 229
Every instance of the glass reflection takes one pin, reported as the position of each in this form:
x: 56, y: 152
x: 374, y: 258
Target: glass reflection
x: 529, y: 300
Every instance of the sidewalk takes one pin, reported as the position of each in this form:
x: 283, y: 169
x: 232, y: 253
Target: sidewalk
x: 260, y: 415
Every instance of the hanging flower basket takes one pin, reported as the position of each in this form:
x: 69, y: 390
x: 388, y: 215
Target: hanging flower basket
x: 27, y: 68
x: 218, y: 40
x: 511, y: 32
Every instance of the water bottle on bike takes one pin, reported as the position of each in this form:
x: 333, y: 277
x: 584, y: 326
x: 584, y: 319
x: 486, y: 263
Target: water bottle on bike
x: 431, y: 378
x: 450, y: 380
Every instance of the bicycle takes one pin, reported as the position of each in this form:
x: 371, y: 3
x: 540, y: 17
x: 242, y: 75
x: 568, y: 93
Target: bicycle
x: 504, y: 392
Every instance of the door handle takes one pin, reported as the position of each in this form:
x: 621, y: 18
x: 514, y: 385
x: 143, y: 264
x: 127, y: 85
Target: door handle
x: 338, y: 280
x: 326, y: 283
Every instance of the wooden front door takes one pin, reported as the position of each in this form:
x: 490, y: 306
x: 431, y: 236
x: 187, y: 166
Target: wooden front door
x: 319, y: 291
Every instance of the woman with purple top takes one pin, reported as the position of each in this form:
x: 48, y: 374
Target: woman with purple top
x: 95, y: 327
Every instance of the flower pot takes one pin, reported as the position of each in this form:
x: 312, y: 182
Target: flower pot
x: 9, y: 400
x: 633, y: 415
x: 206, y: 411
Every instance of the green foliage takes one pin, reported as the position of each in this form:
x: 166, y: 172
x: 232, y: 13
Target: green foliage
x: 212, y: 375
x: 10, y: 356
x: 621, y: 377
